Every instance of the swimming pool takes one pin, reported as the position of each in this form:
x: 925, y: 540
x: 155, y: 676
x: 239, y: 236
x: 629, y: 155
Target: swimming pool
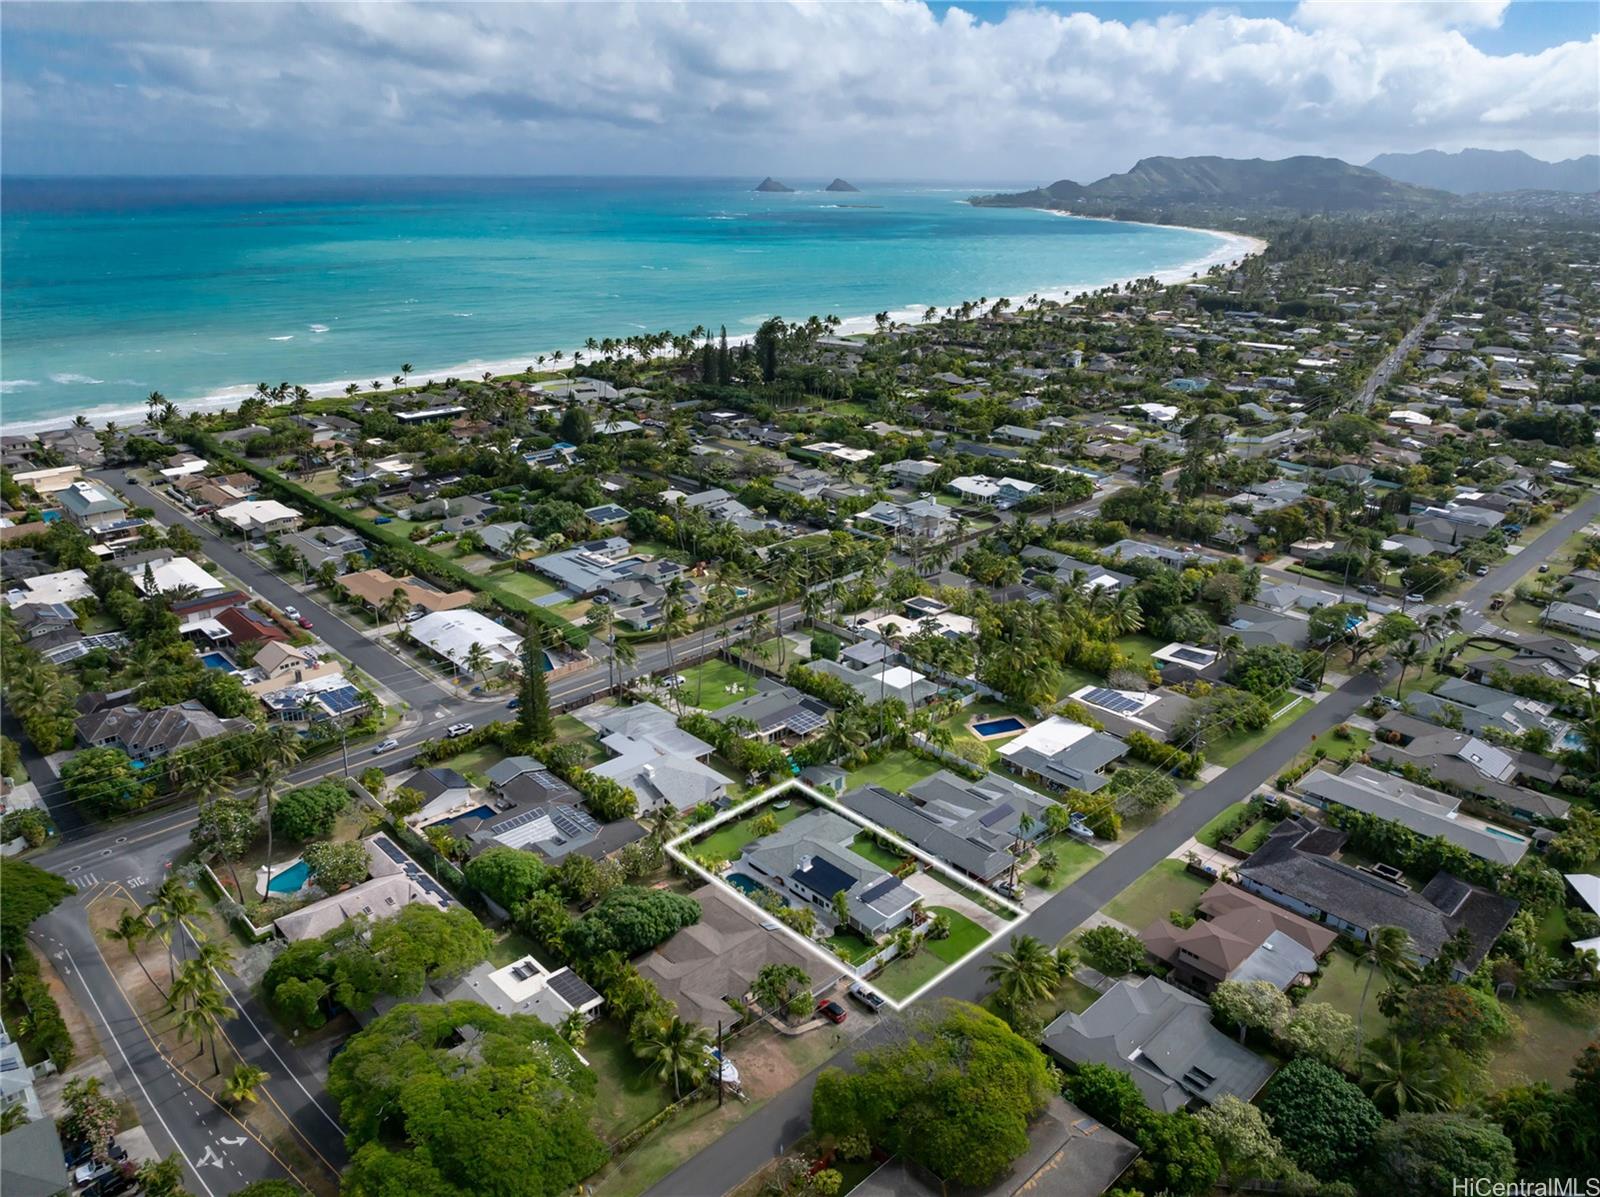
x: 291, y: 880
x: 1571, y: 742
x: 481, y: 812
x: 216, y: 661
x: 1505, y: 835
x: 1007, y: 726
x: 750, y: 886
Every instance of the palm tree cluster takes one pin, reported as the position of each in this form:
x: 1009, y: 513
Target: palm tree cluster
x: 1028, y: 973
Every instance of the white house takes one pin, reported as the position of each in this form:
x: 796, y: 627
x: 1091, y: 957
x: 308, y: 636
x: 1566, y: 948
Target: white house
x: 172, y: 574
x: 999, y: 492
x: 451, y: 635
x: 259, y: 517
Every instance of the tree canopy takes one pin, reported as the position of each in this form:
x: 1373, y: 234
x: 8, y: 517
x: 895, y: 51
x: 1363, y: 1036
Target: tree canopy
x: 630, y: 920
x: 1324, y: 1122
x: 507, y: 875
x: 956, y: 1094
x: 30, y: 893
x: 310, y: 811
x: 456, y: 1099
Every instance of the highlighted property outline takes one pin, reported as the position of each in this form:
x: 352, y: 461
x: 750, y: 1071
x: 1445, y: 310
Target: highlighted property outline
x: 771, y: 922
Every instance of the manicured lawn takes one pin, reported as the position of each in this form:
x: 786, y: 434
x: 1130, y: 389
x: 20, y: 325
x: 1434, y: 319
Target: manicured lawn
x: 1347, y: 750
x: 1165, y: 888
x: 865, y: 846
x: 1555, y: 1028
x: 514, y: 946
x: 729, y: 840
x: 1210, y: 834
x: 1139, y: 646
x: 476, y: 762
x: 850, y: 946
x: 1339, y: 985
x: 1255, y: 835
x: 524, y: 585
x: 626, y: 1094
x: 896, y: 771
x: 965, y: 935
x: 1234, y: 750
x: 570, y: 730
x: 1074, y: 679
x: 712, y: 685
x: 982, y: 709
x: 1076, y: 858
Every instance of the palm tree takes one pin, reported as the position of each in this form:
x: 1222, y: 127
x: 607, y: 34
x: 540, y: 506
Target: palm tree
x: 201, y: 1019
x: 268, y: 790
x: 477, y: 661
x: 1388, y: 950
x: 662, y: 822
x: 132, y: 930
x: 625, y: 655
x: 1404, y: 1076
x: 677, y: 1049
x: 1025, y: 975
x: 1405, y: 656
x: 241, y: 1085
x: 175, y: 904
x: 519, y: 541
x: 396, y: 607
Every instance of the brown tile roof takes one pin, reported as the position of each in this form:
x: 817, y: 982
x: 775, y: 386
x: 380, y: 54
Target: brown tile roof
x: 374, y: 586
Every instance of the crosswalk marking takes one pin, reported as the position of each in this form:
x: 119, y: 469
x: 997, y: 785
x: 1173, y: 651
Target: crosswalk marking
x: 84, y: 882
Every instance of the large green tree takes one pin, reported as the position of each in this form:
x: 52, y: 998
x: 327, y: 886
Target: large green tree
x: 1424, y: 1153
x: 26, y: 893
x: 456, y: 1099
x: 533, y: 715
x: 955, y: 1094
x: 508, y: 875
x: 1324, y: 1122
x: 630, y: 920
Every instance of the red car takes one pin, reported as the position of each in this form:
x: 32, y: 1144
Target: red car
x: 831, y: 1010
x: 303, y: 622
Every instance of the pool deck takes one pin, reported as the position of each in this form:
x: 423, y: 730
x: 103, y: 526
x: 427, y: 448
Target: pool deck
x: 277, y: 874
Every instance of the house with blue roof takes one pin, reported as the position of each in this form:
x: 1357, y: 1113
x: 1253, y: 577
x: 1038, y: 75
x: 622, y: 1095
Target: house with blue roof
x: 808, y: 861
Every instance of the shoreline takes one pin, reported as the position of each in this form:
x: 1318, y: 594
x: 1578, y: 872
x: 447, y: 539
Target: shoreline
x: 1231, y: 248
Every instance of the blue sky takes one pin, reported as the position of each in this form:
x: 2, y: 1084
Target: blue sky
x: 898, y: 88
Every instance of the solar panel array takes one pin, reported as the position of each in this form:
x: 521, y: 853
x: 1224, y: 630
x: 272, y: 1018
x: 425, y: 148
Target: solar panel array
x: 804, y: 720
x: 342, y: 700
x: 994, y: 816
x: 571, y: 988
x: 1114, y: 701
x: 1193, y: 656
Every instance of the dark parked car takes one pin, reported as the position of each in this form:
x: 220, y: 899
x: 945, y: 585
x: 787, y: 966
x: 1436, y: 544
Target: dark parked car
x: 831, y: 1010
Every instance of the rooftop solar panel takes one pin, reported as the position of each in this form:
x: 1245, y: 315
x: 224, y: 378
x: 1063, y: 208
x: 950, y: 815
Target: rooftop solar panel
x: 994, y: 816
x: 803, y: 722
x: 571, y: 988
x: 1113, y: 700
x: 1192, y: 655
x: 389, y: 849
x: 518, y: 820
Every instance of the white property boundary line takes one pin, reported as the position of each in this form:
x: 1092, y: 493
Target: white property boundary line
x: 767, y: 917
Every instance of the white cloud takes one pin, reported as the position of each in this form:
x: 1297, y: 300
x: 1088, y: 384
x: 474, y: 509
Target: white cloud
x: 878, y: 89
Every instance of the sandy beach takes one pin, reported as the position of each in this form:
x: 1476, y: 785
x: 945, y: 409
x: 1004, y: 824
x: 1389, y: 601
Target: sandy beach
x: 1231, y: 248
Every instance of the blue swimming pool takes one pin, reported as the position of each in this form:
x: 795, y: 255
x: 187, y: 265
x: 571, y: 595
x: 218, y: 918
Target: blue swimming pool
x: 216, y: 661
x: 749, y: 885
x: 291, y: 880
x: 999, y: 727
x: 480, y: 812
x: 1505, y: 835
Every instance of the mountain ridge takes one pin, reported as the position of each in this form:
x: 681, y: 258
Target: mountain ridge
x: 1306, y: 183
x: 1475, y: 172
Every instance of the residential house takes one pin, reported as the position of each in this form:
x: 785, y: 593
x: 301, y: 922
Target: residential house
x: 659, y: 761
x: 373, y: 588
x: 1069, y: 571
x: 1297, y: 868
x: 913, y: 473
x: 324, y: 544
x: 1459, y: 759
x: 525, y: 987
x: 394, y: 882
x: 1064, y: 755
x: 1571, y: 617
x: 1163, y: 1039
x: 90, y: 506
x: 16, y: 1081
x: 1239, y: 937
x: 163, y: 573
x: 534, y: 810
x: 970, y: 825
x: 152, y: 735
x: 32, y: 1163
x: 879, y: 682
x: 1123, y: 712
x: 922, y: 519
x: 454, y: 634
x: 1419, y: 808
x: 779, y: 713
x: 257, y: 518
x: 717, y: 959
x: 1257, y: 626
x: 995, y: 492
x: 1475, y: 708
x: 809, y: 859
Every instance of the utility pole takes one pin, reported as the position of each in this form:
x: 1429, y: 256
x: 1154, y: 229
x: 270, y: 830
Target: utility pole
x: 720, y: 1086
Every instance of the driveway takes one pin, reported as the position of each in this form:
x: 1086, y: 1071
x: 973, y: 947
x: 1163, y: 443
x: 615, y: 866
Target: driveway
x: 936, y: 893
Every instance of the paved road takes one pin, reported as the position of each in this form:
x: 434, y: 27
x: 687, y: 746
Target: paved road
x: 1503, y: 577
x: 1384, y: 371
x: 219, y: 1154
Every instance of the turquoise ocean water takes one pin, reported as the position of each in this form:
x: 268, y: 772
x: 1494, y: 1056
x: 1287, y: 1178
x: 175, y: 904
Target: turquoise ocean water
x: 201, y: 288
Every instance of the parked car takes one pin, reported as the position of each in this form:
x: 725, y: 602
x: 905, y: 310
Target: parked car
x: 457, y: 730
x: 831, y: 1010
x: 867, y: 998
x: 1416, y: 598
x: 1480, y: 571
x: 673, y: 682
x: 413, y: 616
x: 292, y: 612
x: 514, y: 704
x: 1368, y: 588
x: 385, y: 745
x: 303, y: 622
x: 1544, y: 569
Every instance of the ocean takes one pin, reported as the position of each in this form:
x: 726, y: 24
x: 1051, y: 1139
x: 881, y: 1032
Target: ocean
x: 200, y: 288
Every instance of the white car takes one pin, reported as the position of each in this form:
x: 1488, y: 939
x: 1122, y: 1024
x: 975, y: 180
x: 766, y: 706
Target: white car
x: 673, y: 682
x: 291, y: 612
x: 457, y: 730
x: 385, y: 745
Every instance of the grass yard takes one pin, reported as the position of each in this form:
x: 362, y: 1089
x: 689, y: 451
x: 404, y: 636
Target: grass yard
x: 1165, y: 888
x: 1139, y: 646
x: 626, y: 1094
x: 523, y: 585
x: 1346, y: 750
x: 514, y: 946
x: 1339, y: 985
x: 1076, y: 858
x: 1555, y: 1028
x: 1074, y: 679
x: 901, y: 978
x: 571, y: 730
x: 895, y: 771
x: 1235, y: 749
x: 885, y: 859
x: 475, y: 764
x: 729, y: 840
x: 1210, y: 835
x: 982, y: 709
x: 1255, y: 835
x: 850, y: 946
x: 712, y: 685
